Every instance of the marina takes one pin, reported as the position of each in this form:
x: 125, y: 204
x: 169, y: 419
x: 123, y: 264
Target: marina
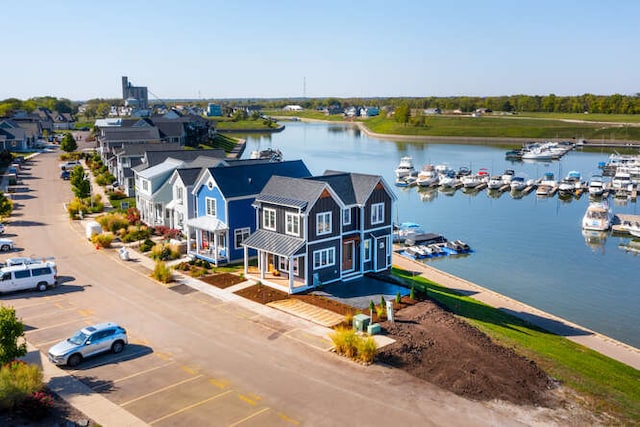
x: 532, y: 249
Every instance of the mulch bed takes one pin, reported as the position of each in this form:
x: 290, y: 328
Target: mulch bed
x: 222, y: 280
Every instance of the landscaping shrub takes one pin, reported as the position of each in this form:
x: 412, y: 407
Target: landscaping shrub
x: 116, y: 195
x: 17, y: 381
x: 398, y: 297
x: 97, y: 205
x: 381, y: 312
x: 136, y: 232
x: 103, y: 240
x: 75, y: 206
x: 37, y: 405
x: 348, y: 319
x: 412, y: 293
x: 366, y: 347
x: 133, y: 216
x: 161, y: 272
x: 146, y: 245
x: 164, y: 252
x: 113, y: 221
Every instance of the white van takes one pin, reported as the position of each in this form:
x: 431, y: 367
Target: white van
x: 38, y: 276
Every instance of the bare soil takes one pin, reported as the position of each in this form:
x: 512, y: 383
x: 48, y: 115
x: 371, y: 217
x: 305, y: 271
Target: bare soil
x: 222, y: 280
x: 434, y: 345
x: 60, y: 414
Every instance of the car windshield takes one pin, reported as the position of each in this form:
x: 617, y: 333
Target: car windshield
x: 78, y: 338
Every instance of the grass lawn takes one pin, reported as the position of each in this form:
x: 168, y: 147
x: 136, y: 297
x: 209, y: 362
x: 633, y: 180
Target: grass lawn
x: 243, y: 125
x: 222, y: 142
x: 608, y: 385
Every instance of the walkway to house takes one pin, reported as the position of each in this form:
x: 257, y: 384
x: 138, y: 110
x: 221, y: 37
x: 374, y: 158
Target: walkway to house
x: 307, y: 311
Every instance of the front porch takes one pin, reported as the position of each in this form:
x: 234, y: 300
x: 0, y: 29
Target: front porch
x: 277, y: 280
x: 207, y: 239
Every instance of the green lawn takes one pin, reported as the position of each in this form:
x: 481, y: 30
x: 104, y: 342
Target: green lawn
x: 243, y: 125
x: 608, y: 385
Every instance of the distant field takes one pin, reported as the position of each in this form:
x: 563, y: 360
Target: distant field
x: 527, y: 125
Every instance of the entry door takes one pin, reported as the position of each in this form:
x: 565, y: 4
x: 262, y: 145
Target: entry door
x: 348, y: 255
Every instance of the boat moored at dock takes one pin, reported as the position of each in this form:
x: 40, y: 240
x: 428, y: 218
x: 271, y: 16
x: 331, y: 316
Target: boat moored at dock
x: 598, y: 217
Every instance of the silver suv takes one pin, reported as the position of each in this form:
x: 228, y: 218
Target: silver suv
x: 88, y: 342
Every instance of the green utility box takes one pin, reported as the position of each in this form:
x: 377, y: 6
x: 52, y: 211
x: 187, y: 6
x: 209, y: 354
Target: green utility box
x: 361, y: 322
x: 373, y: 329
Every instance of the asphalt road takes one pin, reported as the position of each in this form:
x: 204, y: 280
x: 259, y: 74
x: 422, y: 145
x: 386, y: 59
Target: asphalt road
x: 196, y: 360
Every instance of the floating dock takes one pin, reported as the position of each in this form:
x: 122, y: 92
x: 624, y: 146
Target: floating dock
x: 620, y: 219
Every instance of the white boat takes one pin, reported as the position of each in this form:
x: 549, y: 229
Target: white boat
x: 598, y: 217
x: 632, y: 228
x: 547, y: 186
x: 495, y: 182
x: 473, y: 181
x: 428, y: 177
x: 571, y: 183
x: 267, y: 154
x: 596, y: 185
x: 507, y: 176
x: 538, y: 153
x: 621, y: 180
x: 405, y: 167
x: 449, y: 180
x: 517, y: 183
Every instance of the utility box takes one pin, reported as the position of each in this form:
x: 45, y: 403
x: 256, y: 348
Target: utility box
x: 361, y: 322
x: 373, y: 329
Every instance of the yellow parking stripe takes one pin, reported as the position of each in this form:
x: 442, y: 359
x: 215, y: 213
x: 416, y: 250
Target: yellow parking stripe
x: 159, y: 390
x: 163, y: 356
x: 247, y: 400
x: 221, y: 383
x: 146, y: 371
x: 186, y: 408
x: 255, y: 414
x: 288, y: 419
x: 189, y: 370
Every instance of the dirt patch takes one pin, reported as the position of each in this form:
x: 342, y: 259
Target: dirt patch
x: 222, y: 280
x: 434, y: 345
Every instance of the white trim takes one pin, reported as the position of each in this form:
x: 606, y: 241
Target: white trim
x: 267, y: 225
x: 292, y: 219
x: 211, y: 212
x: 328, y: 219
x: 330, y: 258
x: 237, y: 231
x: 377, y: 208
x: 346, y: 221
x: 367, y: 250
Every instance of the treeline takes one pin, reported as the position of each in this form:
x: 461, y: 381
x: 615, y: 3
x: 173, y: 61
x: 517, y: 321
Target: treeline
x: 611, y: 104
x: 60, y: 105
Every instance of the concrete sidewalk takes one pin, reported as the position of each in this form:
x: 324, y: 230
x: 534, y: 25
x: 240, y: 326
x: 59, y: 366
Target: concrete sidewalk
x: 602, y: 344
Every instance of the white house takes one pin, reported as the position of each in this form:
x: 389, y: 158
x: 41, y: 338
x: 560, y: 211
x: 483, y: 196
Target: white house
x: 292, y: 108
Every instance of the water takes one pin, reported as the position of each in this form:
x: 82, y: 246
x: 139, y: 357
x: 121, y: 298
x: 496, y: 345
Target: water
x: 530, y: 249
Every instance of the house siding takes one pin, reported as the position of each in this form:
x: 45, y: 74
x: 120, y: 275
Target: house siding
x: 325, y: 204
x: 379, y: 195
x: 325, y: 274
x: 241, y: 215
x: 213, y: 193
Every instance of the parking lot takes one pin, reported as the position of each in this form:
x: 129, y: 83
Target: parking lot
x: 155, y: 386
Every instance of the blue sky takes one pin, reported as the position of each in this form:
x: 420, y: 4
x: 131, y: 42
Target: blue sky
x: 251, y: 49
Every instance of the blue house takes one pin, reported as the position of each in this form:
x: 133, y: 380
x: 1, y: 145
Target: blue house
x: 214, y: 110
x: 322, y: 229
x: 224, y: 214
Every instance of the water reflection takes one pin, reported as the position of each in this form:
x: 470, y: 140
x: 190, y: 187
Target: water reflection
x: 595, y: 240
x: 631, y: 246
x: 428, y: 194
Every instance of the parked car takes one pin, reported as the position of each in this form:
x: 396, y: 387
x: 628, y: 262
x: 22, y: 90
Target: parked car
x: 20, y: 260
x: 1, y: 228
x: 6, y: 245
x: 40, y: 276
x: 69, y: 165
x: 88, y: 342
x: 65, y: 174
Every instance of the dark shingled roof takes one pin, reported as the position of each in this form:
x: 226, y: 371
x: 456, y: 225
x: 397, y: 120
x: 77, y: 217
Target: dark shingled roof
x: 119, y: 134
x: 139, y: 149
x: 189, y: 175
x: 275, y: 243
x: 240, y: 179
x: 353, y: 188
x: 157, y: 157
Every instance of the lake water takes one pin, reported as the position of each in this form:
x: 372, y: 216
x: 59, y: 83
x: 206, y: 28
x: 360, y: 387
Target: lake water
x: 530, y: 249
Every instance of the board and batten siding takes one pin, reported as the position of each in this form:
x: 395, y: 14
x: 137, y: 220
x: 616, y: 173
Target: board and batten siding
x: 281, y: 217
x: 355, y: 221
x: 325, y: 203
x: 325, y: 274
x: 241, y: 215
x: 378, y: 195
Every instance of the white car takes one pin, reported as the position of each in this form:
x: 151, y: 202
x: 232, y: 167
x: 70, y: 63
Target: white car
x: 87, y: 342
x: 6, y: 245
x: 10, y: 262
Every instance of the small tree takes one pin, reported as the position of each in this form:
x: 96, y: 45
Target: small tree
x: 6, y: 206
x: 11, y: 331
x: 69, y: 143
x: 372, y: 306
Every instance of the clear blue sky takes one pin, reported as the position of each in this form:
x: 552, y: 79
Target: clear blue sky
x: 79, y: 49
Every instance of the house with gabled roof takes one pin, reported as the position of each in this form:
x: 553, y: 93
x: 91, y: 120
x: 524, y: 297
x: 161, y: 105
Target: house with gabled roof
x: 224, y: 217
x: 320, y: 230
x: 126, y: 157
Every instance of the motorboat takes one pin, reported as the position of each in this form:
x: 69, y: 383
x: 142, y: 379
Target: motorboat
x: 621, y: 180
x: 513, y: 155
x: 596, y: 185
x: 495, y: 182
x: 571, y: 183
x: 402, y: 231
x: 474, y: 180
x: 517, y: 183
x: 598, y: 216
x: 449, y: 180
x: 428, y: 177
x: 539, y: 153
x: 407, y: 181
x: 463, y: 171
x: 547, y: 186
x: 507, y: 176
x: 273, y: 155
x: 405, y: 167
x: 632, y: 228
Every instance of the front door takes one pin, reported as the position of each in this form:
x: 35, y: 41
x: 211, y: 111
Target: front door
x: 348, y: 258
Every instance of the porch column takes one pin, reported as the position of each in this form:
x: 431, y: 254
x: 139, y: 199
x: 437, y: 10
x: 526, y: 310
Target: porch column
x: 246, y: 261
x: 290, y: 274
x: 215, y: 247
x: 262, y: 261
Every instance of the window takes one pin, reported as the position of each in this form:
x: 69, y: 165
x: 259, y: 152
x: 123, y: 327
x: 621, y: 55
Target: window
x: 324, y: 258
x: 293, y: 224
x: 367, y: 250
x: 21, y: 274
x: 377, y: 213
x: 179, y: 195
x: 41, y: 271
x: 323, y: 223
x: 346, y: 217
x: 240, y: 235
x: 269, y: 219
x: 145, y: 185
x: 211, y: 206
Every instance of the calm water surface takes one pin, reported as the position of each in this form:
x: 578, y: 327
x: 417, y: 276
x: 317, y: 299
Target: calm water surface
x: 530, y: 249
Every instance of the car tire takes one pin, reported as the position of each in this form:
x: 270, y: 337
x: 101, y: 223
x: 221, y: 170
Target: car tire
x: 117, y: 347
x: 5, y: 248
x: 74, y: 360
x: 42, y: 286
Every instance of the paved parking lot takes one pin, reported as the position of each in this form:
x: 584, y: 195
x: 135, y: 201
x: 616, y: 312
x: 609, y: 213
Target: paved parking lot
x: 155, y: 386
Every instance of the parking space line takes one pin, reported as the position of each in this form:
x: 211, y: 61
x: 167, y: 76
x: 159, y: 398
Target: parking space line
x: 288, y: 419
x: 255, y: 414
x: 163, y: 356
x: 134, y: 375
x: 189, y: 370
x: 251, y: 400
x: 221, y: 383
x: 160, y: 390
x: 186, y: 408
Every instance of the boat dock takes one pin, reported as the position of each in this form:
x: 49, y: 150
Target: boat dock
x: 620, y: 219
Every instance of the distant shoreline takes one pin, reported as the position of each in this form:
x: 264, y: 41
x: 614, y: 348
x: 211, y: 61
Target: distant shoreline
x: 479, y: 140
